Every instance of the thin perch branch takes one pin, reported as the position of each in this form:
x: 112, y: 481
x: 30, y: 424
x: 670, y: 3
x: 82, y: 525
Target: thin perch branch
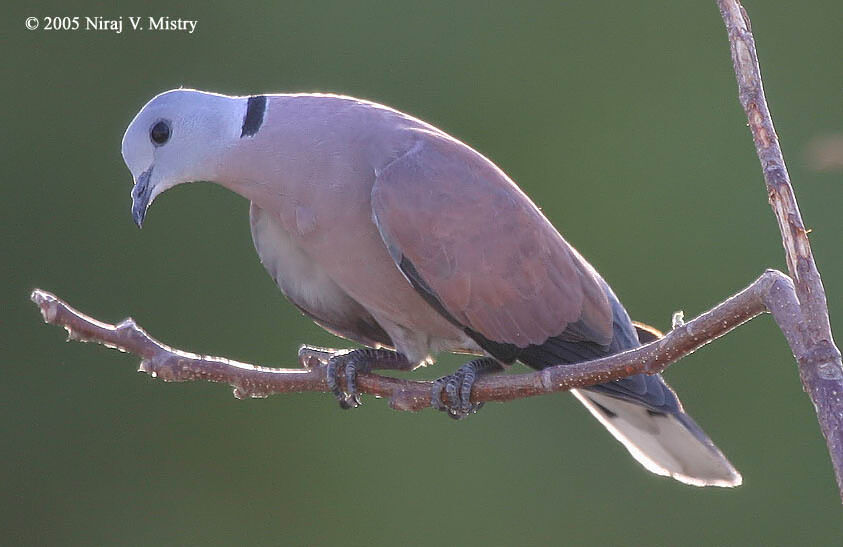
x: 772, y: 291
x: 819, y: 361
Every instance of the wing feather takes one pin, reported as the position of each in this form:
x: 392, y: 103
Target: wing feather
x: 490, y: 257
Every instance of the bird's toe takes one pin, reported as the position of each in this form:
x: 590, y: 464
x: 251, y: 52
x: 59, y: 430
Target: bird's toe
x: 457, y: 390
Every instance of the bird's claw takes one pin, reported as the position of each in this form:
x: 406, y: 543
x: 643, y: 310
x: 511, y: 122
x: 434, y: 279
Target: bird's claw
x: 350, y: 364
x: 312, y: 356
x: 457, y: 387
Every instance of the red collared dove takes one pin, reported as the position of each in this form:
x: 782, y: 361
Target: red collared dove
x: 387, y: 231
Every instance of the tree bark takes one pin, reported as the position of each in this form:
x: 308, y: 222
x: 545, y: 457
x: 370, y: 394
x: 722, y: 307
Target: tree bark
x: 813, y: 346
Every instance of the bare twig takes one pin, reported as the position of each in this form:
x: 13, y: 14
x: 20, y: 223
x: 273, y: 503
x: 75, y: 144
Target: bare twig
x: 772, y: 291
x: 819, y: 359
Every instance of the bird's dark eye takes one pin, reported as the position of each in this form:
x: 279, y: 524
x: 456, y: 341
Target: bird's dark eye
x: 160, y: 133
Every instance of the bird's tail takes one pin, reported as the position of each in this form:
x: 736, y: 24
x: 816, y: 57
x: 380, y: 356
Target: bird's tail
x: 666, y: 443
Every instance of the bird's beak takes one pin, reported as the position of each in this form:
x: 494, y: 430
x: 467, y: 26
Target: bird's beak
x: 141, y: 193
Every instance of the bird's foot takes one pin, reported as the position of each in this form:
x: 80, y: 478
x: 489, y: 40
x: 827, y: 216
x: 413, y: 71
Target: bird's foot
x: 314, y: 356
x: 457, y: 387
x: 353, y: 362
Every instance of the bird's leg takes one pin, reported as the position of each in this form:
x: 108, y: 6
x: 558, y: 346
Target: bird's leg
x: 355, y: 362
x: 458, y: 388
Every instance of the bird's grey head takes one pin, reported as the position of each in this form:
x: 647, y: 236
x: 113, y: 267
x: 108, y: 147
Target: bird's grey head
x: 179, y: 136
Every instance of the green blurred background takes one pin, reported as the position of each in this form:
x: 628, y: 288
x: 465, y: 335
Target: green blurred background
x: 620, y: 119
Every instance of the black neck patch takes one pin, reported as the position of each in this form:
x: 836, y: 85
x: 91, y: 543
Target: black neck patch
x: 252, y: 121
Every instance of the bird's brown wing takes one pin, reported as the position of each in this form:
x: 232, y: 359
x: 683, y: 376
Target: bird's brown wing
x: 468, y: 238
x: 479, y: 251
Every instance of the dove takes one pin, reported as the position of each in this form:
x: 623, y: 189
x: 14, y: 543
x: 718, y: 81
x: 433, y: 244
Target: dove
x: 389, y: 232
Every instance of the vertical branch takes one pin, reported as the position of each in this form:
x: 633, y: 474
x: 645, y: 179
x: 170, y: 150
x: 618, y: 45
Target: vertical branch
x: 819, y: 359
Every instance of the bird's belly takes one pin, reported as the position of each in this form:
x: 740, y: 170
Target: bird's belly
x: 368, y: 274
x: 342, y: 272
